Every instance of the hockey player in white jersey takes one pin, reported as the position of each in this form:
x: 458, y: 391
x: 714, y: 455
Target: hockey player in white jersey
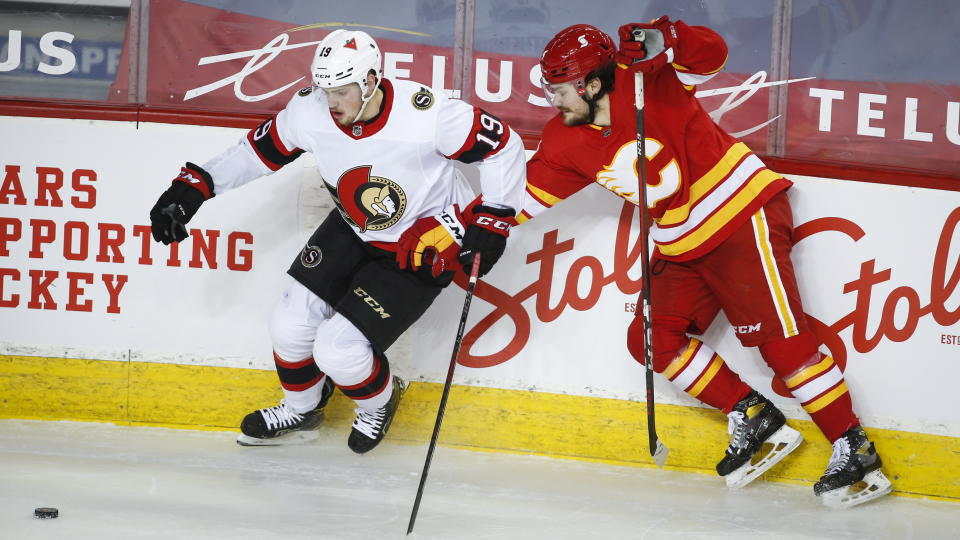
x: 405, y: 220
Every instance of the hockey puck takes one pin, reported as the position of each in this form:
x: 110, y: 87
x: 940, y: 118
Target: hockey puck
x: 45, y: 513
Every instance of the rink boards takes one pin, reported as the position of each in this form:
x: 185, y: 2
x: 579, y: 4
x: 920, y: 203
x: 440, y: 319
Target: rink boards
x: 100, y: 323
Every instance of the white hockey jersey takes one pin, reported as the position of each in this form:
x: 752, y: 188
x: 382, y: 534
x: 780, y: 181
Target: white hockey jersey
x: 386, y: 173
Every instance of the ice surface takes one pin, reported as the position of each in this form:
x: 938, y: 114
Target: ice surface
x: 137, y: 482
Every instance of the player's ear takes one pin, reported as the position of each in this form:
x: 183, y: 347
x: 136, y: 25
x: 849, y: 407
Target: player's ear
x: 372, y: 81
x: 593, y: 86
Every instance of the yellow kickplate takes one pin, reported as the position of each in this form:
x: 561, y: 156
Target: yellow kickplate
x: 573, y: 427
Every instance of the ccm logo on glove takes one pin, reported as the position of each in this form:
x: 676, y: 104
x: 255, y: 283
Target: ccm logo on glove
x: 492, y: 223
x: 451, y: 220
x: 487, y: 233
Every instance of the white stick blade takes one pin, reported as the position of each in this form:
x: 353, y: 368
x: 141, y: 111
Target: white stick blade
x: 660, y: 454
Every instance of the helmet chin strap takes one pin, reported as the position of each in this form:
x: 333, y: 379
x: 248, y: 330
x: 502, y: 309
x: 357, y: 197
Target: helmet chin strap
x: 365, y: 100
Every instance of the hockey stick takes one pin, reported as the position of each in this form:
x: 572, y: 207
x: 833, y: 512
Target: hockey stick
x: 474, y: 271
x: 657, y: 449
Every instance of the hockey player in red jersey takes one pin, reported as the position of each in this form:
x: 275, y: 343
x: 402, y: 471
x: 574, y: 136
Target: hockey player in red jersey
x: 404, y: 222
x: 722, y: 227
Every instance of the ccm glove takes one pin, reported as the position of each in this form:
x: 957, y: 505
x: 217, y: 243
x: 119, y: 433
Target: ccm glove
x: 647, y: 47
x: 486, y: 234
x: 179, y: 203
x: 433, y: 241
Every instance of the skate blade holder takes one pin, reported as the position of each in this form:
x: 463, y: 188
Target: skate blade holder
x: 873, y: 485
x: 782, y: 442
x: 292, y: 438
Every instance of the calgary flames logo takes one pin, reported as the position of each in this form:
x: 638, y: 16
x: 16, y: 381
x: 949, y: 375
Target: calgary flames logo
x: 368, y: 202
x: 620, y: 176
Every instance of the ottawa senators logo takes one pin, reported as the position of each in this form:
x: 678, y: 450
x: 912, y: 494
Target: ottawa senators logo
x: 368, y: 202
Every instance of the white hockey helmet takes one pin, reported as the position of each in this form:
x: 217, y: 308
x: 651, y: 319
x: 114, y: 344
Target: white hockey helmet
x: 345, y: 57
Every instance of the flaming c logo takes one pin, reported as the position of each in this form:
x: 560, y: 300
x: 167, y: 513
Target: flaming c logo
x: 368, y: 202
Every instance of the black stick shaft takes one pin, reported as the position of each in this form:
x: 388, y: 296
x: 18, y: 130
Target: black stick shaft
x: 474, y: 272
x: 645, y: 265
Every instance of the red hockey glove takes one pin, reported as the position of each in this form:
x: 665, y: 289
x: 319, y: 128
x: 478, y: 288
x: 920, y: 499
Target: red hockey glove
x: 433, y: 241
x: 179, y: 203
x: 647, y: 47
x: 486, y: 234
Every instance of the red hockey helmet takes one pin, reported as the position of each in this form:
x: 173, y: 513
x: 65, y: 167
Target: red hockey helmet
x: 574, y: 53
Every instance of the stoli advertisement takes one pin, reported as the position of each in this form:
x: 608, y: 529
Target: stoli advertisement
x: 880, y: 279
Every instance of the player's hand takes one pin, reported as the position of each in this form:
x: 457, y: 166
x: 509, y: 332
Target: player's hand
x: 646, y: 47
x: 179, y: 203
x: 487, y: 234
x: 433, y: 241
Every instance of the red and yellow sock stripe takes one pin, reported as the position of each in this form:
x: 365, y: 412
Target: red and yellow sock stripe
x: 817, y: 385
x: 694, y: 368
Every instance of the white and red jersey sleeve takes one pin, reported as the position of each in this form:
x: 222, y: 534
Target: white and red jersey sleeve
x: 265, y: 149
x: 472, y: 135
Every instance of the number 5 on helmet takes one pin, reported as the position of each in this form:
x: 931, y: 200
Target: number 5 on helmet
x: 433, y: 241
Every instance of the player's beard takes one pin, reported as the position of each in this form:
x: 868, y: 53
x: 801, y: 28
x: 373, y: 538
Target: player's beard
x: 578, y: 117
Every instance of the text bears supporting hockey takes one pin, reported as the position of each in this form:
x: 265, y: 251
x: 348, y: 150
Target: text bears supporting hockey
x: 77, y: 240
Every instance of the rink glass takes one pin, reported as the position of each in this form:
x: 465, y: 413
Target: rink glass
x: 864, y: 88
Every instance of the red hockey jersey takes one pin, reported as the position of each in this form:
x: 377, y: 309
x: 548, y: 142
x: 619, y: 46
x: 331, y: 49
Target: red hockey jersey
x: 701, y: 183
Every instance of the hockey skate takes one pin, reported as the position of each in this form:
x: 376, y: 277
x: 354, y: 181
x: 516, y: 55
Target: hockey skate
x: 755, y: 424
x: 853, y: 475
x: 369, y: 427
x: 280, y: 425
